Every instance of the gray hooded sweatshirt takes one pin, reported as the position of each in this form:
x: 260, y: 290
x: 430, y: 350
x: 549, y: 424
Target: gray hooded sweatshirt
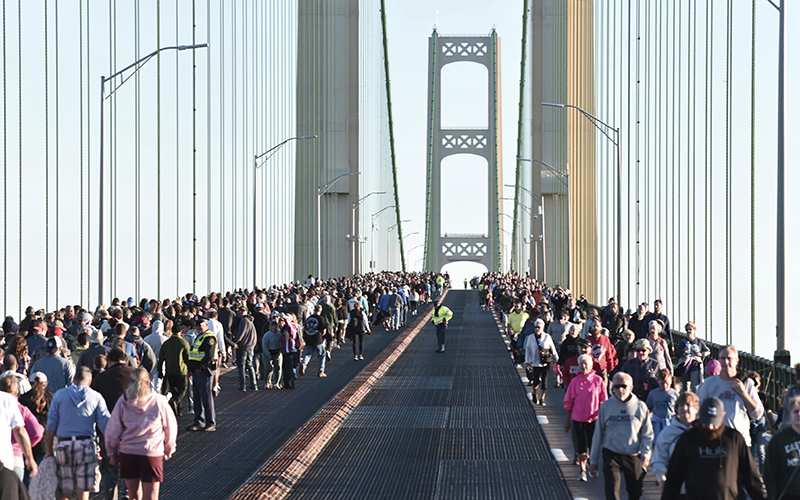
x: 622, y: 427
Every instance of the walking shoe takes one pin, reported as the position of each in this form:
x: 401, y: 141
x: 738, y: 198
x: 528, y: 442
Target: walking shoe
x: 355, y: 358
x: 302, y: 370
x: 360, y: 357
x: 439, y: 350
x: 328, y: 355
x: 194, y: 427
x: 583, y: 477
x: 209, y: 429
x: 322, y: 374
x: 535, y: 398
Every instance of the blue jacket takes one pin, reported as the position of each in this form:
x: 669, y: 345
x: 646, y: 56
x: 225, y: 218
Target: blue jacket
x: 75, y: 410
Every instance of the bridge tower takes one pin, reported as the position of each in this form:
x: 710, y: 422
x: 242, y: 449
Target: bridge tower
x: 485, y: 248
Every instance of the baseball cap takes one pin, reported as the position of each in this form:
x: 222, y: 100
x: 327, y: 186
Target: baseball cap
x: 713, y: 367
x: 712, y: 412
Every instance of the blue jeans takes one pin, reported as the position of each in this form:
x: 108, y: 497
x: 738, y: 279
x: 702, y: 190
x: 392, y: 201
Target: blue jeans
x: 310, y: 350
x: 441, y: 328
x: 246, y: 369
x: 395, y: 321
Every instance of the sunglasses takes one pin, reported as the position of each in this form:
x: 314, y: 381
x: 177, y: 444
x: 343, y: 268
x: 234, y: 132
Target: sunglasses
x: 619, y: 386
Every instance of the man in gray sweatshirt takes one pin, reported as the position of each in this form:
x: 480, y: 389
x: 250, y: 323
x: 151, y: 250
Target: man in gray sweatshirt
x: 622, y: 437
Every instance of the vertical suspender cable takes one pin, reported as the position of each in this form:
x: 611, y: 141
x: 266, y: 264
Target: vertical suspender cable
x: 676, y: 187
x: 753, y: 184
x: 57, y: 155
x: 671, y: 212
x: 234, y: 250
x: 638, y: 130
x: 46, y: 157
x: 694, y: 171
x: 629, y: 143
x: 114, y: 173
x: 222, y: 177
x: 137, y: 163
x: 709, y: 191
x: 208, y: 148
x: 21, y: 192
x: 177, y: 156
x: 88, y: 148
x: 194, y: 149
x: 647, y: 223
x: 158, y: 151
x: 80, y: 37
x: 5, y: 166
x: 728, y: 87
x: 659, y: 179
x: 689, y: 151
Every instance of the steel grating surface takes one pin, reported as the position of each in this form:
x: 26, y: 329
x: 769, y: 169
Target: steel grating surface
x: 491, y: 479
x: 398, y: 417
x: 414, y: 382
x: 450, y: 426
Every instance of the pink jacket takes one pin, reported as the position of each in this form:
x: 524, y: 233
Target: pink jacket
x: 584, y: 396
x: 147, y: 427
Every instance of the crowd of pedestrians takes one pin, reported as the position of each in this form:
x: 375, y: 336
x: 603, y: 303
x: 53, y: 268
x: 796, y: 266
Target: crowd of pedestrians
x: 638, y: 402
x: 78, y: 384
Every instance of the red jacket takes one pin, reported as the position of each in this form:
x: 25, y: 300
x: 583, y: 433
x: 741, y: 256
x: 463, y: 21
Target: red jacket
x: 603, y: 352
x: 571, y: 369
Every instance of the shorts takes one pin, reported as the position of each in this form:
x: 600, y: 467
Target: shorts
x: 76, y: 466
x: 141, y: 467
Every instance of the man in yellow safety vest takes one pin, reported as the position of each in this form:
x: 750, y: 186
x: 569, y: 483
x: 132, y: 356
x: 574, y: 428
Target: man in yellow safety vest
x: 441, y: 315
x: 202, y: 364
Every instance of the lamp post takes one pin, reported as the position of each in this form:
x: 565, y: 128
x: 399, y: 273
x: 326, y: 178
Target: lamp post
x: 604, y: 128
x: 355, y: 236
x: 372, y: 236
x: 266, y: 155
x: 101, y: 219
x: 388, y: 233
x: 320, y: 191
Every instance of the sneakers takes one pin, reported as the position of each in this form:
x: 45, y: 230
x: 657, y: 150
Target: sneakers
x: 302, y: 370
x: 439, y: 350
x: 194, y: 427
x: 322, y: 374
x: 355, y: 358
x: 209, y: 429
x: 583, y: 476
x: 360, y: 357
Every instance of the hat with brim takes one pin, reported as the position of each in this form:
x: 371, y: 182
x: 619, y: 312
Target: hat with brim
x: 642, y: 344
x: 96, y: 337
x: 712, y: 412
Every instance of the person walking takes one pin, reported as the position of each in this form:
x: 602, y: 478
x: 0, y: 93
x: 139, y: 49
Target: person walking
x: 540, y: 354
x: 140, y: 435
x: 74, y: 413
x: 623, y: 438
x: 202, y: 363
x: 686, y: 408
x: 357, y: 326
x: 712, y: 459
x: 582, y: 402
x: 314, y: 338
x: 782, y: 462
x: 173, y: 358
x: 271, y: 348
x: 441, y: 316
x: 245, y: 338
x: 691, y: 350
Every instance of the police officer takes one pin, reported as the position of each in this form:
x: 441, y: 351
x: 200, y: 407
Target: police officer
x: 441, y: 315
x: 202, y: 363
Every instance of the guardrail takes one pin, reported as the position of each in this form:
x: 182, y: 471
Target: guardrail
x: 775, y: 377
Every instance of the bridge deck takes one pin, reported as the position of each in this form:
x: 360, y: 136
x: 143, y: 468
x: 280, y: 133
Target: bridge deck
x: 441, y: 426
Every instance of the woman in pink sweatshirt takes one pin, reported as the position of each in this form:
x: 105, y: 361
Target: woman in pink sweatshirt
x: 585, y: 393
x: 140, y: 435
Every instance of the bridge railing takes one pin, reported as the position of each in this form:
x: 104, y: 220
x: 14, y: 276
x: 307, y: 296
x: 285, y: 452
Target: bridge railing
x: 775, y: 377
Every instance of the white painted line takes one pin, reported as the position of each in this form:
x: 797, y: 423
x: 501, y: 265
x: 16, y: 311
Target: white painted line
x: 506, y: 341
x: 524, y: 379
x: 530, y: 395
x: 543, y: 419
x: 559, y: 455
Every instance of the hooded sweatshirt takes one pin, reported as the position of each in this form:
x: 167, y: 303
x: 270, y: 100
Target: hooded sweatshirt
x: 74, y: 411
x: 622, y: 427
x: 144, y: 427
x: 665, y: 444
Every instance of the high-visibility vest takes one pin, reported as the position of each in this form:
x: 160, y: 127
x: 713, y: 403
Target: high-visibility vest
x: 439, y: 280
x: 195, y: 354
x: 441, y: 314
